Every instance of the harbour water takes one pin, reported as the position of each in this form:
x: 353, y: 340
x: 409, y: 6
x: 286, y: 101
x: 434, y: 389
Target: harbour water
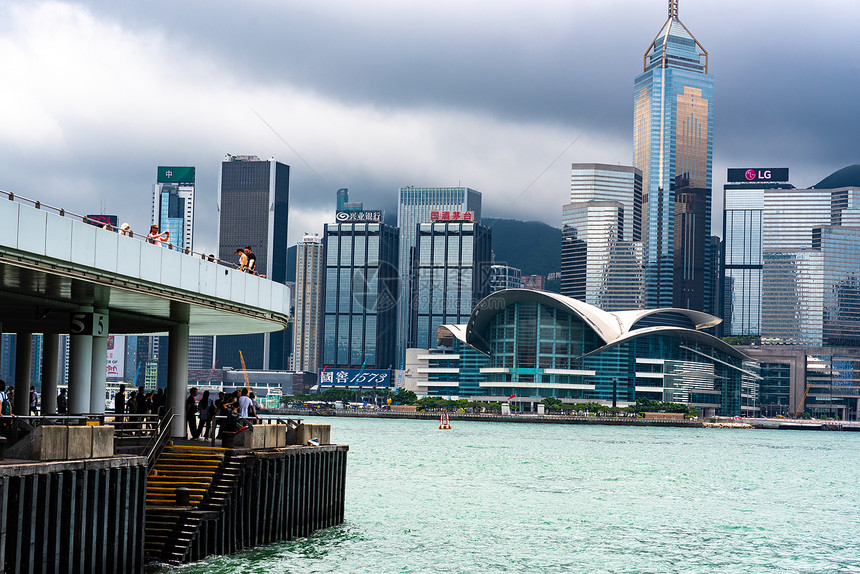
x: 496, y: 497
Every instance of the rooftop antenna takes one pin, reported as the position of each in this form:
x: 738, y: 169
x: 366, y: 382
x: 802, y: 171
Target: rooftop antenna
x: 673, y: 8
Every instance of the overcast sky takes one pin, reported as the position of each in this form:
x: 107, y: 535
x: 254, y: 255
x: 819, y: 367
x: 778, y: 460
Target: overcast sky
x: 499, y: 96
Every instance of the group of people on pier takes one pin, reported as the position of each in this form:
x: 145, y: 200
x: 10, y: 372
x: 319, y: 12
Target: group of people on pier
x: 234, y: 409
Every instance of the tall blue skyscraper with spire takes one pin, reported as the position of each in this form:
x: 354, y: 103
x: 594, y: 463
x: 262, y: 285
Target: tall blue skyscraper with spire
x: 673, y: 102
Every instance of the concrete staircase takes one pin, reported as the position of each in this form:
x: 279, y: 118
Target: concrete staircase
x: 192, y: 467
x: 179, y: 547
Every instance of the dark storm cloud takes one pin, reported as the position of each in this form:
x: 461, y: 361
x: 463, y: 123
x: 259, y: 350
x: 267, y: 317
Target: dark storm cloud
x: 786, y: 80
x: 786, y: 74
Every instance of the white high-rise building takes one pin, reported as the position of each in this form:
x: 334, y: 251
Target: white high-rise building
x: 307, y: 316
x: 601, y: 257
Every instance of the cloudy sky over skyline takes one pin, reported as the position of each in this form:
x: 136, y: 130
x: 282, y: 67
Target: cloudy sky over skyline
x: 499, y: 96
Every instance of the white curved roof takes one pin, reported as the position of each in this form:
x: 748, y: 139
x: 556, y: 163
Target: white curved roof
x: 611, y: 327
x: 698, y: 318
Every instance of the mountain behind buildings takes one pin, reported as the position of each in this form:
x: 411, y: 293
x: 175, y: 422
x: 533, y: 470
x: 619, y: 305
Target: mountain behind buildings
x: 532, y: 246
x: 845, y: 177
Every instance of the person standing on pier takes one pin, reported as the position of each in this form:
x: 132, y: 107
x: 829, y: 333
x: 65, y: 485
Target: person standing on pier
x: 246, y: 405
x: 34, y: 401
x: 62, y: 402
x: 191, y: 413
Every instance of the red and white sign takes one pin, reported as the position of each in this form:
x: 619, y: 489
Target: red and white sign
x: 436, y: 215
x: 115, y: 357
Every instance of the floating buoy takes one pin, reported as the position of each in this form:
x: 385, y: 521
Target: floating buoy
x: 444, y: 421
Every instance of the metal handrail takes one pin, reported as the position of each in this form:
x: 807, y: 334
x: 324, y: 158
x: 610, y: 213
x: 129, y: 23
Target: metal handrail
x: 139, y: 236
x: 156, y: 444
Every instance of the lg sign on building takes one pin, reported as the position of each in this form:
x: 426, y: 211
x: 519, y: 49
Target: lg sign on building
x: 758, y: 174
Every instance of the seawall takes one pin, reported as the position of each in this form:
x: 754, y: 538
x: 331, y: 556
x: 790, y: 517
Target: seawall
x: 73, y: 516
x: 727, y: 422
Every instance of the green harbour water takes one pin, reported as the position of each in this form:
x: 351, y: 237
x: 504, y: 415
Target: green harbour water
x: 506, y: 497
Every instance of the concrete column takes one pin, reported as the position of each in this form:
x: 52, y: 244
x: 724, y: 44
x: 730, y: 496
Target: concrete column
x: 98, y: 375
x: 177, y: 376
x: 50, y: 372
x: 80, y: 372
x: 23, y: 346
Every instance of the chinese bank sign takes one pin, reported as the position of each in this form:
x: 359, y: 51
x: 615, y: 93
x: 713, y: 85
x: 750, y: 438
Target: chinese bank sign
x: 175, y: 174
x: 452, y: 215
x: 757, y: 174
x: 374, y: 216
x: 354, y: 378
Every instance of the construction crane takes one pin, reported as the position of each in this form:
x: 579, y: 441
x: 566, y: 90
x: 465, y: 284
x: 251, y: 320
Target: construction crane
x: 245, y: 371
x: 801, y: 407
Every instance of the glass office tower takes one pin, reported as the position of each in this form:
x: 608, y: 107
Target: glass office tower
x: 601, y: 255
x: 810, y: 286
x: 173, y: 204
x: 451, y: 271
x: 673, y: 135
x: 253, y: 201
x: 173, y: 211
x: 415, y: 206
x: 360, y: 292
x: 792, y: 263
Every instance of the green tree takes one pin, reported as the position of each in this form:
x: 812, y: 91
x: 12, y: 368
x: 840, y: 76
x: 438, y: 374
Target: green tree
x: 553, y: 403
x: 404, y: 397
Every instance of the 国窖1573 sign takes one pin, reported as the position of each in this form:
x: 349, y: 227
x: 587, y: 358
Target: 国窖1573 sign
x: 355, y: 378
x: 757, y: 174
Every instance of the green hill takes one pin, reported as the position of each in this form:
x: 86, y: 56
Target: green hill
x: 532, y: 246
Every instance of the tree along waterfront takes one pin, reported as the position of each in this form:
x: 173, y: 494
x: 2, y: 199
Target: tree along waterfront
x: 384, y: 397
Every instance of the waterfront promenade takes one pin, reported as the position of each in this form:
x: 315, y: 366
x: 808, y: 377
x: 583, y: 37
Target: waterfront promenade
x: 716, y: 422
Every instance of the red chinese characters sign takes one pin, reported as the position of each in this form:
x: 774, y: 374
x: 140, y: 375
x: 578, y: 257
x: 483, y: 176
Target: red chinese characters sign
x: 436, y: 215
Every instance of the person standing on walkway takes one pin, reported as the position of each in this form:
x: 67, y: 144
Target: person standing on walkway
x: 62, y: 402
x: 191, y: 413
x: 243, y: 260
x: 155, y: 237
x: 252, y: 260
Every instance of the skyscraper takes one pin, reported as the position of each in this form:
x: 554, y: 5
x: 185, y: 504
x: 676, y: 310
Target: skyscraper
x: 360, y: 295
x: 173, y: 211
x: 601, y: 253
x: 307, y: 317
x: 451, y: 274
x: 673, y: 135
x: 173, y: 204
x: 415, y: 206
x: 743, y: 207
x: 253, y: 203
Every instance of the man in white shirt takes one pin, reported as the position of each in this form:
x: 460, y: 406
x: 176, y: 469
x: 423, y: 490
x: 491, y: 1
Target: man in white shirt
x: 246, y: 406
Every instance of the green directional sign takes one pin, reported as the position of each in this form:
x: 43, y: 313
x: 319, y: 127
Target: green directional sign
x: 175, y: 174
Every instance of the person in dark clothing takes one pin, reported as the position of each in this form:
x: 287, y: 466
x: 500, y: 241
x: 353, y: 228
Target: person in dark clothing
x: 118, y: 403
x: 142, y: 403
x: 62, y: 402
x: 191, y: 413
x: 207, y: 414
x: 252, y: 260
x: 158, y: 402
